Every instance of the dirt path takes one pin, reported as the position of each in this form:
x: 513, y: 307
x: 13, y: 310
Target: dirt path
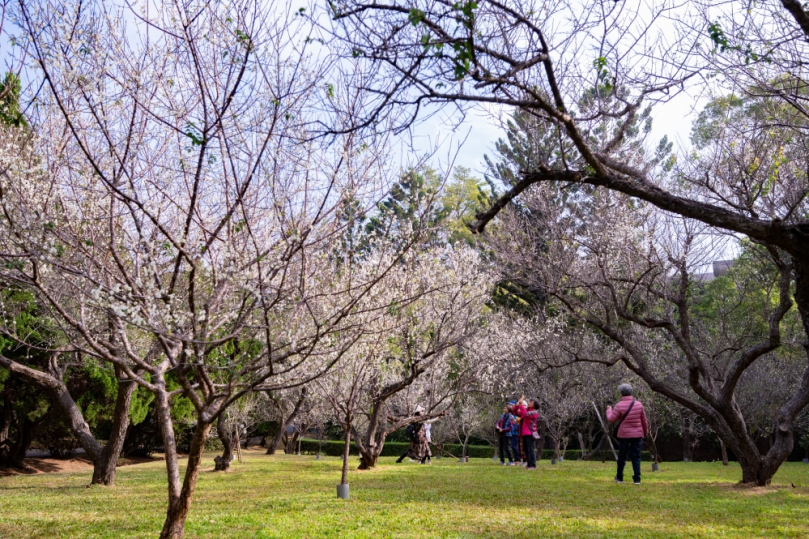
x: 51, y: 465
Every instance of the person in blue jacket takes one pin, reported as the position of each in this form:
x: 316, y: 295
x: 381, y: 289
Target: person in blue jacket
x: 504, y: 426
x: 514, y: 435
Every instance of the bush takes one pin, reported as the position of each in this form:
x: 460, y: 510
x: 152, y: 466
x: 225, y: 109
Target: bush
x: 266, y: 429
x: 55, y: 435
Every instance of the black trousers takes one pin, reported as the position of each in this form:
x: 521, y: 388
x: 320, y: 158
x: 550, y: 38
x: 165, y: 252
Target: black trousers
x: 629, y: 447
x: 515, y: 446
x: 505, y: 449
x: 528, y: 447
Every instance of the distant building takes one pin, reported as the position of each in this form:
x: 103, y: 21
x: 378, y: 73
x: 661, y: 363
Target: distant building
x: 719, y: 268
x: 722, y: 267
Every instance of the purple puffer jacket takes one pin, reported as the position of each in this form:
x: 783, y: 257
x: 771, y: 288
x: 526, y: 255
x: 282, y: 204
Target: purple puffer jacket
x: 633, y: 426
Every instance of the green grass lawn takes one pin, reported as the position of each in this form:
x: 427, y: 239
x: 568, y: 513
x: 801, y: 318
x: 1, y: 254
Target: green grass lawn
x: 289, y: 496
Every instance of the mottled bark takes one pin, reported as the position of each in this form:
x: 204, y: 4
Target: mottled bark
x: 106, y: 464
x: 223, y: 462
x: 174, y: 525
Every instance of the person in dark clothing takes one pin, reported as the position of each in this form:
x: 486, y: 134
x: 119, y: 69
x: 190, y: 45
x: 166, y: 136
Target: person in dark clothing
x: 419, y: 448
x: 504, y: 425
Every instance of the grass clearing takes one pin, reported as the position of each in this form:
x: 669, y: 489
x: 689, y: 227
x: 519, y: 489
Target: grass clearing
x: 288, y: 496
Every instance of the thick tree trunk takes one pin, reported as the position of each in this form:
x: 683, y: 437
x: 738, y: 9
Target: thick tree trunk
x: 758, y: 469
x: 105, y: 459
x: 273, y: 445
x: 174, y: 526
x: 105, y: 465
x: 79, y: 427
x: 222, y: 464
x: 371, y: 444
x: 369, y: 458
x: 13, y: 451
x: 801, y: 269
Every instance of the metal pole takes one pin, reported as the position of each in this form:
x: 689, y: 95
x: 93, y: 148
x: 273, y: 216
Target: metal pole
x: 606, y: 431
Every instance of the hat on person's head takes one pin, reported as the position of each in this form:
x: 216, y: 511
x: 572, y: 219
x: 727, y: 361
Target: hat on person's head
x: 512, y: 403
x: 419, y: 409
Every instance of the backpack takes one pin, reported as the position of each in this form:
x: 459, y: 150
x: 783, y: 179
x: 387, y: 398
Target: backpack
x: 411, y: 431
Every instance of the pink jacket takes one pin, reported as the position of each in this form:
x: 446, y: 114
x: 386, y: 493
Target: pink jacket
x: 635, y: 425
x: 528, y: 419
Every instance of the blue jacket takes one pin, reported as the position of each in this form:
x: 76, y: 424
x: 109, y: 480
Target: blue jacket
x: 507, y: 423
x: 515, y: 427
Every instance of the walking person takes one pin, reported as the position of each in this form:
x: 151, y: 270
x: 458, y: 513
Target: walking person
x: 631, y: 428
x: 503, y: 427
x: 428, y: 427
x: 528, y: 422
x: 417, y: 435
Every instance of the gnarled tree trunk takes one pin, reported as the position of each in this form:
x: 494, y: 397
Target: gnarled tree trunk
x: 105, y: 459
x: 222, y: 463
x: 273, y: 446
x: 106, y: 464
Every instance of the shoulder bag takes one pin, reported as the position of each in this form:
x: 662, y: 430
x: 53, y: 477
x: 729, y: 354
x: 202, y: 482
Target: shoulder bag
x: 618, y: 425
x: 534, y: 432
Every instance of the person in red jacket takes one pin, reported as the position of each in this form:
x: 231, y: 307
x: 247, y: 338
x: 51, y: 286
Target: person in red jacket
x: 633, y: 429
x: 528, y: 425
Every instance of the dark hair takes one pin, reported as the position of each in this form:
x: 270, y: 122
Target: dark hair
x: 535, y: 404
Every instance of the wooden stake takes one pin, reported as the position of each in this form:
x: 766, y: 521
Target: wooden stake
x: 238, y: 447
x: 606, y: 432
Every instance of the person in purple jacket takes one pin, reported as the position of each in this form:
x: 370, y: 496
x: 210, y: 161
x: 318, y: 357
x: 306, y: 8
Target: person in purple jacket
x: 633, y: 428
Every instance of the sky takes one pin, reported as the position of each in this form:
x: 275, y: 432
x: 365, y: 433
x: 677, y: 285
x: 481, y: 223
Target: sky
x: 468, y: 141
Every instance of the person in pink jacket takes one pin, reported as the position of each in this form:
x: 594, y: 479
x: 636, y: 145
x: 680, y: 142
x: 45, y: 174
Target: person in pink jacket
x: 528, y: 425
x: 633, y: 428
